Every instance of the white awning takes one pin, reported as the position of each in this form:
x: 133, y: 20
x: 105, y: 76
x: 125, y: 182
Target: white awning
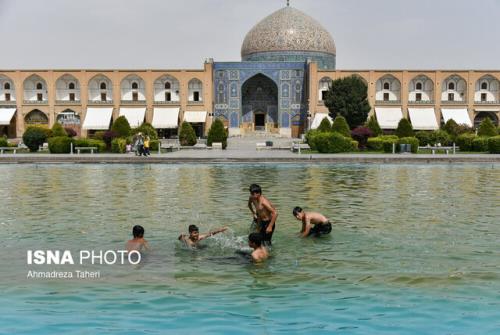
x: 98, y: 118
x: 165, y: 118
x: 6, y: 115
x: 388, y: 118
x: 318, y: 117
x: 423, y: 118
x: 459, y: 115
x: 195, y: 117
x: 134, y: 116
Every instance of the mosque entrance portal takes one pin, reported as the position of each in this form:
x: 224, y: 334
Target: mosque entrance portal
x: 260, y: 104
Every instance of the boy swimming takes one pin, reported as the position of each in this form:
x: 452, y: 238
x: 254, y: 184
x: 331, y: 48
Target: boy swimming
x: 138, y: 242
x: 263, y: 213
x: 259, y: 252
x: 312, y: 223
x: 194, y: 235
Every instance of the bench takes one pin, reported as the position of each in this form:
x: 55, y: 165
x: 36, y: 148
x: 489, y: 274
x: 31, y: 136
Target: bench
x: 447, y: 150
x: 217, y: 145
x: 91, y: 149
x: 14, y: 149
x: 298, y: 146
x: 261, y: 145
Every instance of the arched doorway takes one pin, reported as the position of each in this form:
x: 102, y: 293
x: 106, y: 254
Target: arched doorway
x: 483, y: 115
x: 260, y: 104
x: 36, y: 117
x: 69, y: 119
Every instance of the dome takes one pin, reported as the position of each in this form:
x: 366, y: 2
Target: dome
x: 286, y: 32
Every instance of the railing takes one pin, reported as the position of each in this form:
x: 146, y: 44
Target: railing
x: 197, y: 103
x: 159, y: 102
x: 35, y: 102
x: 8, y: 103
x: 133, y: 102
x: 99, y: 102
x: 421, y: 102
x: 68, y: 102
x: 388, y: 102
x: 453, y: 102
x: 486, y: 102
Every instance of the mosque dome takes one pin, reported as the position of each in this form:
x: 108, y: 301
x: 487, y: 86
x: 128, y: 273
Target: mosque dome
x: 289, y: 35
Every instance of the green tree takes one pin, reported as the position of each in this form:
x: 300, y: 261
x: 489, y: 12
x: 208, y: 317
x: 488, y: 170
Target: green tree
x: 487, y: 128
x: 374, y: 126
x: 58, y: 130
x: 146, y: 129
x: 325, y: 125
x: 348, y: 97
x: 121, y: 127
x: 340, y: 126
x: 34, y: 137
x: 187, y: 136
x: 217, y: 133
x: 404, y: 129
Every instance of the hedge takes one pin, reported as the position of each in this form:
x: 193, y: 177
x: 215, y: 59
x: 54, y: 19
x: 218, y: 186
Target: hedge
x: 374, y: 126
x: 404, y: 129
x: 34, y: 137
x: 487, y: 128
x: 464, y: 142
x: 494, y: 145
x: 58, y: 130
x: 480, y: 144
x: 413, y: 141
x: 334, y: 143
x: 440, y: 136
x: 87, y: 142
x: 119, y: 145
x: 377, y: 143
x: 424, y: 137
x: 325, y: 125
x: 4, y: 142
x: 153, y: 145
x: 147, y: 130
x: 340, y: 126
x: 121, y: 127
x: 310, y: 138
x: 60, y: 145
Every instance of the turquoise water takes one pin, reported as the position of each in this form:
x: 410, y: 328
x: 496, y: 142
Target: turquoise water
x: 414, y: 250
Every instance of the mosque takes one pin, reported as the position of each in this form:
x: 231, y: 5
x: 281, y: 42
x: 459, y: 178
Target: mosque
x: 278, y: 88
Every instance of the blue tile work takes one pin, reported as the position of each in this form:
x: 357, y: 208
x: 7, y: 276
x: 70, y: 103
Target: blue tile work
x: 284, y: 92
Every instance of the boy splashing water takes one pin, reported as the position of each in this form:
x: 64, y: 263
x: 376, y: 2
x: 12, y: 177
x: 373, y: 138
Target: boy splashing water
x: 194, y: 235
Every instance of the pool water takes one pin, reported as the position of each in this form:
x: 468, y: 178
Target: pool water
x: 414, y: 250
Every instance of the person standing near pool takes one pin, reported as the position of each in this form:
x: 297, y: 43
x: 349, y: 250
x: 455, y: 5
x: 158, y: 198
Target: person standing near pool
x: 312, y: 223
x: 263, y: 212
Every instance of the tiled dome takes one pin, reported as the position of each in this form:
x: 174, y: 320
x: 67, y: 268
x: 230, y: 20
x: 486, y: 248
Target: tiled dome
x: 288, y: 29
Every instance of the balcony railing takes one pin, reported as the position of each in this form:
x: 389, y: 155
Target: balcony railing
x: 133, y: 102
x: 35, y: 102
x: 8, y: 103
x: 453, y: 102
x: 421, y: 102
x: 68, y: 102
x: 486, y: 102
x: 388, y: 102
x: 159, y: 102
x: 197, y: 103
x: 99, y: 102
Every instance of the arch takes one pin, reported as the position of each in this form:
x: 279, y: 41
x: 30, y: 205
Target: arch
x: 454, y: 88
x: 133, y: 88
x: 36, y: 117
x: 67, y: 88
x: 166, y: 88
x: 260, y: 102
x: 487, y: 89
x: 35, y: 88
x: 100, y: 88
x: 480, y: 116
x: 388, y: 88
x: 195, y: 90
x: 7, y: 89
x: 421, y: 89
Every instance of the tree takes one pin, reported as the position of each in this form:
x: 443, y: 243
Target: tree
x: 348, y: 97
x: 404, y: 129
x: 121, y: 127
x: 58, y: 130
x: 187, y: 136
x: 487, y: 128
x: 325, y: 125
x: 374, y: 126
x: 340, y: 126
x: 146, y: 129
x: 217, y: 133
x: 34, y: 137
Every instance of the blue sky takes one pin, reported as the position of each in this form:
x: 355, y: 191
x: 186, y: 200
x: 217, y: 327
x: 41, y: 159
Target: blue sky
x: 167, y: 34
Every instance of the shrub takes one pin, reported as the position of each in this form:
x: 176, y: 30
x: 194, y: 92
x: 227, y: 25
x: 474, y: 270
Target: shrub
x: 361, y: 134
x: 424, y: 137
x: 121, y: 127
x: 377, y: 143
x: 217, y: 133
x: 70, y: 131
x: 387, y: 144
x: 440, y: 136
x: 374, y: 126
x: 58, y: 130
x: 454, y: 130
x: 86, y: 142
x: 99, y: 135
x: 187, y: 136
x: 108, y: 137
x: 487, y: 128
x: 413, y: 141
x: 147, y: 130
x: 118, y: 145
x: 494, y: 145
x: 311, y: 137
x: 334, y: 143
x: 34, y: 137
x: 498, y: 130
x: 4, y: 142
x: 325, y: 125
x: 464, y: 142
x: 153, y: 145
x: 340, y: 126
x: 480, y: 144
x: 60, y: 145
x: 404, y: 129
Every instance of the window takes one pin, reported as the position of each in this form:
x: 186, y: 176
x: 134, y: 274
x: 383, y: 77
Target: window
x: 196, y: 96
x: 39, y: 86
x: 168, y: 85
x: 135, y: 96
x: 323, y: 95
x: 168, y: 96
x: 6, y: 86
x: 7, y: 96
x: 418, y: 97
x: 71, y: 86
x: 451, y: 97
x: 387, y: 86
x: 484, y: 97
x: 103, y: 96
x: 484, y: 86
x: 72, y: 97
x: 103, y: 86
x: 135, y: 86
x: 386, y: 96
x: 39, y: 97
x: 451, y: 86
x: 419, y: 86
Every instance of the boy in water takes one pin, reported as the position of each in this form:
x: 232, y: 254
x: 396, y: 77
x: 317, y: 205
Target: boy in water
x: 312, y: 223
x: 194, y: 235
x: 259, y: 252
x: 138, y: 242
x: 263, y: 212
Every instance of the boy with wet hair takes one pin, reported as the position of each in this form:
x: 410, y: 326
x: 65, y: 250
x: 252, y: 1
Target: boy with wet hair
x: 263, y: 212
x: 194, y: 235
x: 138, y: 243
x: 259, y: 252
x: 313, y: 224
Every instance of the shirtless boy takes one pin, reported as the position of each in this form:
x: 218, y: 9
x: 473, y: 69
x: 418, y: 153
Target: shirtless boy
x: 259, y: 252
x: 313, y: 223
x: 138, y: 243
x: 194, y: 235
x: 263, y: 212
